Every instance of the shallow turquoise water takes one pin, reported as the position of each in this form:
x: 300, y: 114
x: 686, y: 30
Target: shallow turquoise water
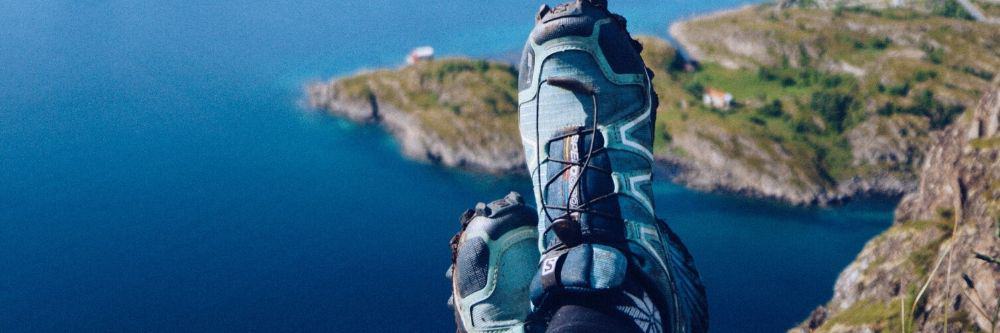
x: 157, y: 174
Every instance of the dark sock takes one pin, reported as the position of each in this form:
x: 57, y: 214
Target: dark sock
x: 627, y: 311
x: 576, y: 318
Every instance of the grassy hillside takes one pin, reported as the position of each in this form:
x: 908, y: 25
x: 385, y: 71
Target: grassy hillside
x: 456, y: 112
x: 806, y: 81
x: 458, y: 99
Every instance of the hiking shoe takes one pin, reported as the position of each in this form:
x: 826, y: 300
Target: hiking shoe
x: 493, y: 260
x: 587, y: 111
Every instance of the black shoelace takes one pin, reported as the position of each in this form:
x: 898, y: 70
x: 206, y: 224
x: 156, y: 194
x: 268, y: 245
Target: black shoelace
x: 567, y: 225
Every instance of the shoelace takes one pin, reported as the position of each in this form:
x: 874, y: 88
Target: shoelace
x: 567, y: 225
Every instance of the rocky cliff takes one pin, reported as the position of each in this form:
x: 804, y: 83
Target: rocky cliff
x: 931, y: 271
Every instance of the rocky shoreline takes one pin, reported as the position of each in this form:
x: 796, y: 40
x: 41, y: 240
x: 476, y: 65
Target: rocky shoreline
x: 462, y: 113
x: 718, y: 174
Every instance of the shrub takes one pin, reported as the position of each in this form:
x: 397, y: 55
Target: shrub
x: 804, y: 126
x: 696, y: 89
x: 666, y: 136
x: 902, y: 89
x: 807, y: 3
x: 924, y: 104
x: 889, y: 109
x: 832, y: 81
x: 940, y: 115
x: 951, y: 8
x: 772, y: 109
x: 803, y: 55
x: 809, y: 76
x: 980, y: 73
x: 935, y: 55
x: 766, y: 74
x: 923, y: 75
x: 832, y: 106
x: 881, y: 43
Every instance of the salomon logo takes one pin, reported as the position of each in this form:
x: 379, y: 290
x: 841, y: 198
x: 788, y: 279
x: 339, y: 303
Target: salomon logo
x: 549, y: 265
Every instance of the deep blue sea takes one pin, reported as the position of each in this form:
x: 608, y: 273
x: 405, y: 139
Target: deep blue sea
x: 158, y: 174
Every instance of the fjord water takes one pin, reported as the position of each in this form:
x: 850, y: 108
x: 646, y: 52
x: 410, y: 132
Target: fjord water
x: 158, y: 174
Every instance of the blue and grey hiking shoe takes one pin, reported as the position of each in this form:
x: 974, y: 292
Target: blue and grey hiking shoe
x: 493, y: 261
x: 587, y: 110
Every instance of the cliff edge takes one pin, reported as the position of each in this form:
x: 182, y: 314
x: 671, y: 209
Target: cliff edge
x: 923, y: 273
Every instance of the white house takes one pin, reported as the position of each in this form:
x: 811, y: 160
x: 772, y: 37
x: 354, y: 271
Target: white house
x: 717, y: 98
x: 423, y: 53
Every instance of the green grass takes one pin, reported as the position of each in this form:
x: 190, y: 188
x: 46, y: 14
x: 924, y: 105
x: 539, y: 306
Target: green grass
x: 884, y: 316
x: 951, y: 8
x: 744, y: 85
x: 459, y: 100
x: 818, y: 107
x: 985, y: 143
x: 771, y: 109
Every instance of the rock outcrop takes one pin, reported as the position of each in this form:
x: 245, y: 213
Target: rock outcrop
x: 456, y: 112
x: 923, y: 273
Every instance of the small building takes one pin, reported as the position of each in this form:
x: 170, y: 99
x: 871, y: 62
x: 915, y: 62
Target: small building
x: 423, y: 53
x: 717, y: 98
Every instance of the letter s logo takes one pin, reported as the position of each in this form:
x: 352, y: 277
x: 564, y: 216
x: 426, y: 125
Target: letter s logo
x: 549, y: 265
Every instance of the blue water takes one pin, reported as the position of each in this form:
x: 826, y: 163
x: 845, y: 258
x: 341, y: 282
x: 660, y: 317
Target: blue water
x: 157, y: 174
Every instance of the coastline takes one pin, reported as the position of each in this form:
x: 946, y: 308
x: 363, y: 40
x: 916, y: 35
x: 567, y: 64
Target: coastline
x: 367, y: 99
x: 718, y: 151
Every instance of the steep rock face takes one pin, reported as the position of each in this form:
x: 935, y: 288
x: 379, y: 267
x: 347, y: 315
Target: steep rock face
x: 923, y: 271
x: 456, y: 112
x: 713, y: 159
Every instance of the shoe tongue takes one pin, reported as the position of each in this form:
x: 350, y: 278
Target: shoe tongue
x: 574, y: 186
x: 567, y: 188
